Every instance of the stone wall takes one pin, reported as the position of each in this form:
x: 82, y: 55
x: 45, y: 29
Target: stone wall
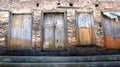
x: 70, y: 6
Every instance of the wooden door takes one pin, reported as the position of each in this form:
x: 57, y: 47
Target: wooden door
x: 54, y: 35
x: 16, y: 32
x: 85, y: 23
x: 21, y: 32
x: 109, y: 33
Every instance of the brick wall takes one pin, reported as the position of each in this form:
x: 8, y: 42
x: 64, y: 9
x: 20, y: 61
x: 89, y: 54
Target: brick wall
x: 57, y: 5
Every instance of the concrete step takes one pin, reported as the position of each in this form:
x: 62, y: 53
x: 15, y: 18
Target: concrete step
x: 62, y: 64
x: 43, y: 59
x: 60, y: 61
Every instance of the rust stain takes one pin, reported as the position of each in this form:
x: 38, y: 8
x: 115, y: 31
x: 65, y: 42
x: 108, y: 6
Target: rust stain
x: 109, y: 42
x: 117, y: 43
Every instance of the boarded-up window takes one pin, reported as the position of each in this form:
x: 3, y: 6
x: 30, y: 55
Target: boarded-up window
x: 21, y: 27
x: 84, y: 25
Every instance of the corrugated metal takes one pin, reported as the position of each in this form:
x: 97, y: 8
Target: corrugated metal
x: 85, y: 23
x: 108, y: 14
x: 21, y: 32
x: 116, y: 13
x: 54, y: 32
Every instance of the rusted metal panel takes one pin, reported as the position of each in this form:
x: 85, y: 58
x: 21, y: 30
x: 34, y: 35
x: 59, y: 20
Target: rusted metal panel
x: 54, y: 32
x: 21, y: 27
x: 84, y: 26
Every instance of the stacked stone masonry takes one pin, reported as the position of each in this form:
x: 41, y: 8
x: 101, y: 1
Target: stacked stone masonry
x: 37, y: 6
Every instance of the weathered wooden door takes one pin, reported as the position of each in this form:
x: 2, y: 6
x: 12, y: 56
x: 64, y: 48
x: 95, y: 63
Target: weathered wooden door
x: 84, y: 25
x: 21, y: 31
x: 54, y: 33
x: 109, y: 33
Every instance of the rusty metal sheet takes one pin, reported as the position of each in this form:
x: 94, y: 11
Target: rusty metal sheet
x: 54, y: 35
x: 21, y: 32
x: 85, y: 24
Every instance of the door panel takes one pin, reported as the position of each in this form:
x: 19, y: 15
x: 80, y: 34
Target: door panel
x: 59, y: 31
x: 16, y: 31
x: 21, y: 32
x: 85, y: 35
x: 116, y: 30
x: 54, y: 35
x: 85, y: 28
x: 48, y: 32
x: 108, y: 29
x: 26, y: 31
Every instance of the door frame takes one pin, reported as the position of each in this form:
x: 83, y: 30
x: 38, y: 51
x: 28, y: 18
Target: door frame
x: 10, y: 28
x: 42, y: 26
x: 76, y: 23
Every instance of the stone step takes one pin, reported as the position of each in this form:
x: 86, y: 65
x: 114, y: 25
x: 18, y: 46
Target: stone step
x: 71, y: 51
x: 53, y: 59
x: 62, y: 64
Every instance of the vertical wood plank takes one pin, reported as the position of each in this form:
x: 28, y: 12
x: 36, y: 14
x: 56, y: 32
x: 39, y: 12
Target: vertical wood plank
x: 109, y: 33
x: 16, y: 32
x: 59, y: 31
x: 48, y: 32
x: 26, y: 32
